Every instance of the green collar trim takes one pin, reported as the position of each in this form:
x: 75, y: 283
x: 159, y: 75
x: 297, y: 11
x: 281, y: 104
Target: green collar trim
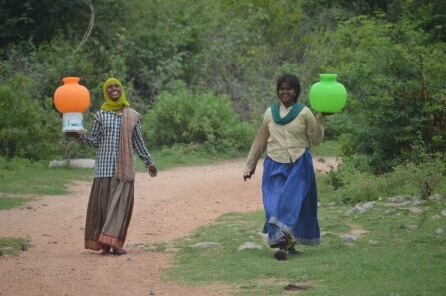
x: 295, y: 110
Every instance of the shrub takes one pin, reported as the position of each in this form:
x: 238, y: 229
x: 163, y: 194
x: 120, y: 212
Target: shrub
x: 27, y: 128
x: 183, y: 118
x: 353, y: 182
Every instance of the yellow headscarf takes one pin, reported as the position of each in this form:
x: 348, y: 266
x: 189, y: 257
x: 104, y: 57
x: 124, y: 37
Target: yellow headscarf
x: 109, y: 104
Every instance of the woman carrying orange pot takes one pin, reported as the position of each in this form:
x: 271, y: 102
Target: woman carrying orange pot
x: 116, y: 133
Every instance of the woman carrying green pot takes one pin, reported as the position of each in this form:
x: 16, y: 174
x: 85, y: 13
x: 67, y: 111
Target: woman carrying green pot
x: 288, y: 184
x: 116, y: 133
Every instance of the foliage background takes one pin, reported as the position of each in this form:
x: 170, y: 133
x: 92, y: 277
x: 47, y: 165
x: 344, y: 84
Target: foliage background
x: 203, y: 72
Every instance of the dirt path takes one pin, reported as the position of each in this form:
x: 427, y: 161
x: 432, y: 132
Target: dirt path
x: 170, y: 206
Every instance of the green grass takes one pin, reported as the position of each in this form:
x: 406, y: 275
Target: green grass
x: 39, y: 179
x: 404, y: 262
x: 8, y: 202
x: 13, y: 246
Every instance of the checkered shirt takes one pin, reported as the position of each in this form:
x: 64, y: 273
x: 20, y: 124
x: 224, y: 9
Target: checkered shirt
x: 104, y: 136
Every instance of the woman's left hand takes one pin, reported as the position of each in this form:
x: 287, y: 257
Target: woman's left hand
x: 152, y: 170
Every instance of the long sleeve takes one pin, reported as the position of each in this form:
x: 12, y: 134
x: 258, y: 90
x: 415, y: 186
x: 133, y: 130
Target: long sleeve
x: 95, y: 134
x: 258, y: 147
x: 315, y: 127
x: 140, y: 147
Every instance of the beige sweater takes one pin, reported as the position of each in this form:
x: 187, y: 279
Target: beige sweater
x: 285, y: 143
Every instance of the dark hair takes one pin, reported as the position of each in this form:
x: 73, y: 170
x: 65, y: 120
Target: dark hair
x: 291, y: 80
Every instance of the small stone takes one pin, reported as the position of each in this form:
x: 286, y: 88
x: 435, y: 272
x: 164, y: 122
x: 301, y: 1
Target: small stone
x: 347, y: 238
x: 436, y: 196
x: 436, y: 217
x: 249, y: 246
x: 373, y: 242
x: 390, y: 212
x: 411, y: 226
x: 207, y: 245
x: 443, y: 213
x: 297, y: 287
x: 439, y: 231
x: 171, y: 250
x: 151, y: 248
x: 354, y: 210
x: 415, y: 210
x: 399, y: 199
x: 361, y: 208
x: 151, y: 292
x: 418, y: 202
x: 137, y: 246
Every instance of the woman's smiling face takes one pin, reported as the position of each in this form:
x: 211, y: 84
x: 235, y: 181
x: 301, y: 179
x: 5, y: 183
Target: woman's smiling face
x: 114, y: 91
x: 286, y: 94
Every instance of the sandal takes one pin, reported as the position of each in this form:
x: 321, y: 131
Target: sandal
x: 105, y: 250
x: 119, y: 252
x: 281, y: 254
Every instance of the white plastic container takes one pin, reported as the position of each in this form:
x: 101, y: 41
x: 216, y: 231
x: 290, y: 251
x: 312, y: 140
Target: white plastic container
x: 73, y: 122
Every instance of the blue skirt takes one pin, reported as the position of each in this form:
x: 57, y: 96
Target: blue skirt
x: 290, y: 202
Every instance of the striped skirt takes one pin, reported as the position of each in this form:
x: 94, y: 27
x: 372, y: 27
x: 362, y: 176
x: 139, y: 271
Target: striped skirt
x: 290, y: 202
x: 109, y: 213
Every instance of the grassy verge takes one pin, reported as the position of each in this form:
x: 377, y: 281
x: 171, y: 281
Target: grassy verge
x: 37, y: 178
x: 12, y: 246
x: 400, y: 254
x: 394, y: 248
x: 9, y: 202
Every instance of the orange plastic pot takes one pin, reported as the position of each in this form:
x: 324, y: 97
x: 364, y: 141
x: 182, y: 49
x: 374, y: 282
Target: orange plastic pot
x: 71, y: 97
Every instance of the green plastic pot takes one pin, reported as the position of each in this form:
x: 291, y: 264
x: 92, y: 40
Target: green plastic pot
x: 328, y: 95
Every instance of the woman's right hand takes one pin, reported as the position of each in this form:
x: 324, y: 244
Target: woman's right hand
x: 248, y: 175
x: 153, y: 170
